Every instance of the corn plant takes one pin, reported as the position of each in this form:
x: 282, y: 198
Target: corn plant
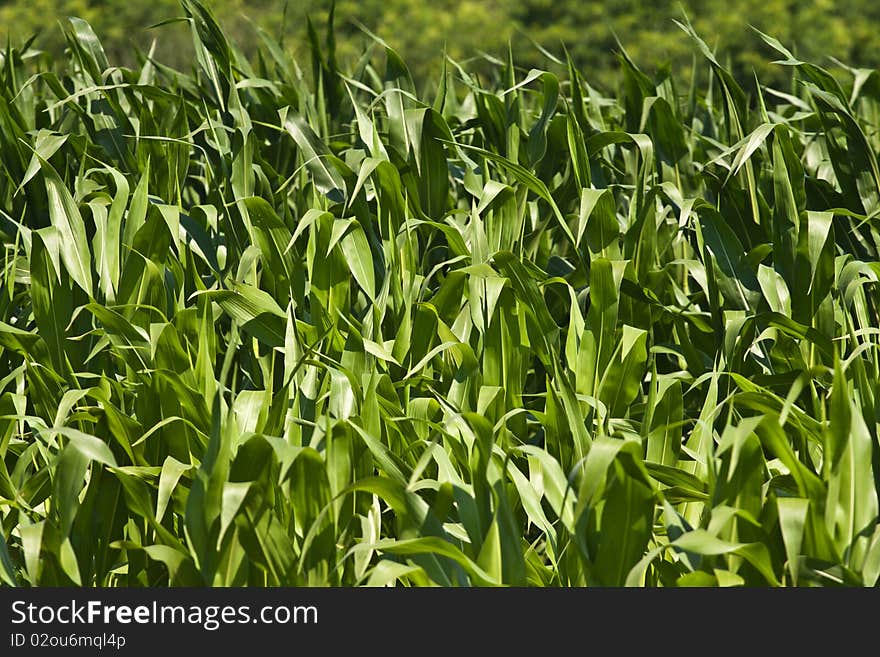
x: 271, y: 322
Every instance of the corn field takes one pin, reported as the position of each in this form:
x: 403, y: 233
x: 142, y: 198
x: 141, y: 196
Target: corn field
x: 281, y: 323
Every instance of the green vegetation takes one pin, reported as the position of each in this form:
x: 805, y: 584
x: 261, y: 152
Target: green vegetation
x: 847, y: 29
x: 268, y: 326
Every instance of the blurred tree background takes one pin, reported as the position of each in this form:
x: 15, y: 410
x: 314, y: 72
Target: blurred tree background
x: 848, y: 30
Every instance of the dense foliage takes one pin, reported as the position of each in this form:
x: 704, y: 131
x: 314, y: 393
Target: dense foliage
x: 262, y: 330
x: 848, y: 30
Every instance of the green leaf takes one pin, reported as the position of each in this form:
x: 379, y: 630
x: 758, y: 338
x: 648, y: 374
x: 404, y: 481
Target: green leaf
x: 66, y: 219
x: 318, y: 159
x: 92, y: 447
